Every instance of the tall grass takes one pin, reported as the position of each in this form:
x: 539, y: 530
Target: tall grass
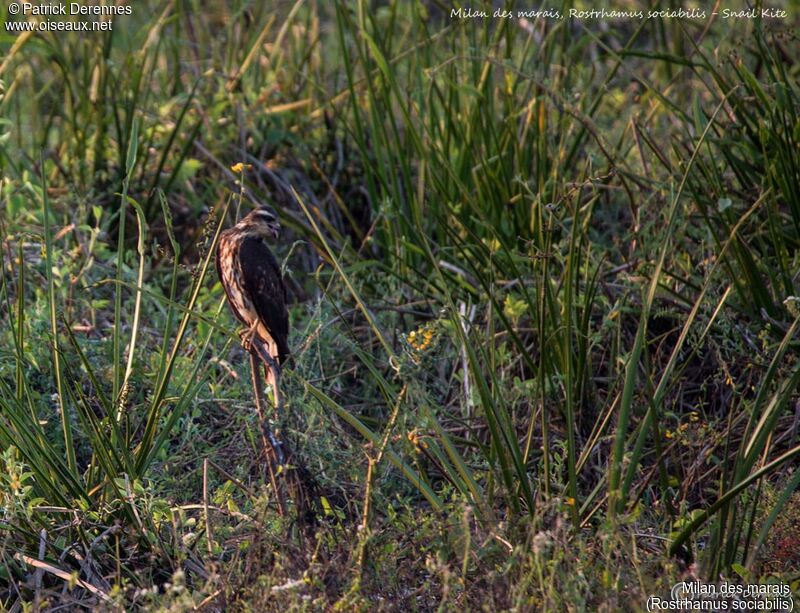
x: 490, y: 135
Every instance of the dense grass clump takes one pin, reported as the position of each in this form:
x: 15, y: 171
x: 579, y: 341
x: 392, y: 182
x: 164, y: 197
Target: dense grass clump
x: 546, y: 297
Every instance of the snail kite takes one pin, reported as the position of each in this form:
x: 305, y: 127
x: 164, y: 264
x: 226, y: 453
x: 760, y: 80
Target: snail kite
x: 252, y: 280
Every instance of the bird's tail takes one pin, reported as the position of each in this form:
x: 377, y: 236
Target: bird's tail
x: 283, y: 353
x: 272, y: 375
x: 270, y: 358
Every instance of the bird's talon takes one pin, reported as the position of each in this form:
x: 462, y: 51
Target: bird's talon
x: 246, y: 337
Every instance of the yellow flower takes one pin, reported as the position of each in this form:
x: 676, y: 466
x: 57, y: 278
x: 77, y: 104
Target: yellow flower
x: 240, y: 167
x: 415, y: 439
x: 493, y: 244
x: 728, y: 381
x: 571, y: 501
x: 668, y: 434
x: 421, y: 338
x: 514, y: 308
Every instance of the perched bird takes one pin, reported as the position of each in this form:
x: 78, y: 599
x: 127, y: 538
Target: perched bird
x: 254, y: 286
x: 252, y: 280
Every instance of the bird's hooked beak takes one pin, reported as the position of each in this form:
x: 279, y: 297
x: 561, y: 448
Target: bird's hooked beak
x: 274, y: 228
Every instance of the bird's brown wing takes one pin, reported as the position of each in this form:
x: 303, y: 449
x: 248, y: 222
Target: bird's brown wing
x: 262, y: 281
x: 226, y: 251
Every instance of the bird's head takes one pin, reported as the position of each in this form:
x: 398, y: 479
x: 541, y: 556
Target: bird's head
x: 263, y: 222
